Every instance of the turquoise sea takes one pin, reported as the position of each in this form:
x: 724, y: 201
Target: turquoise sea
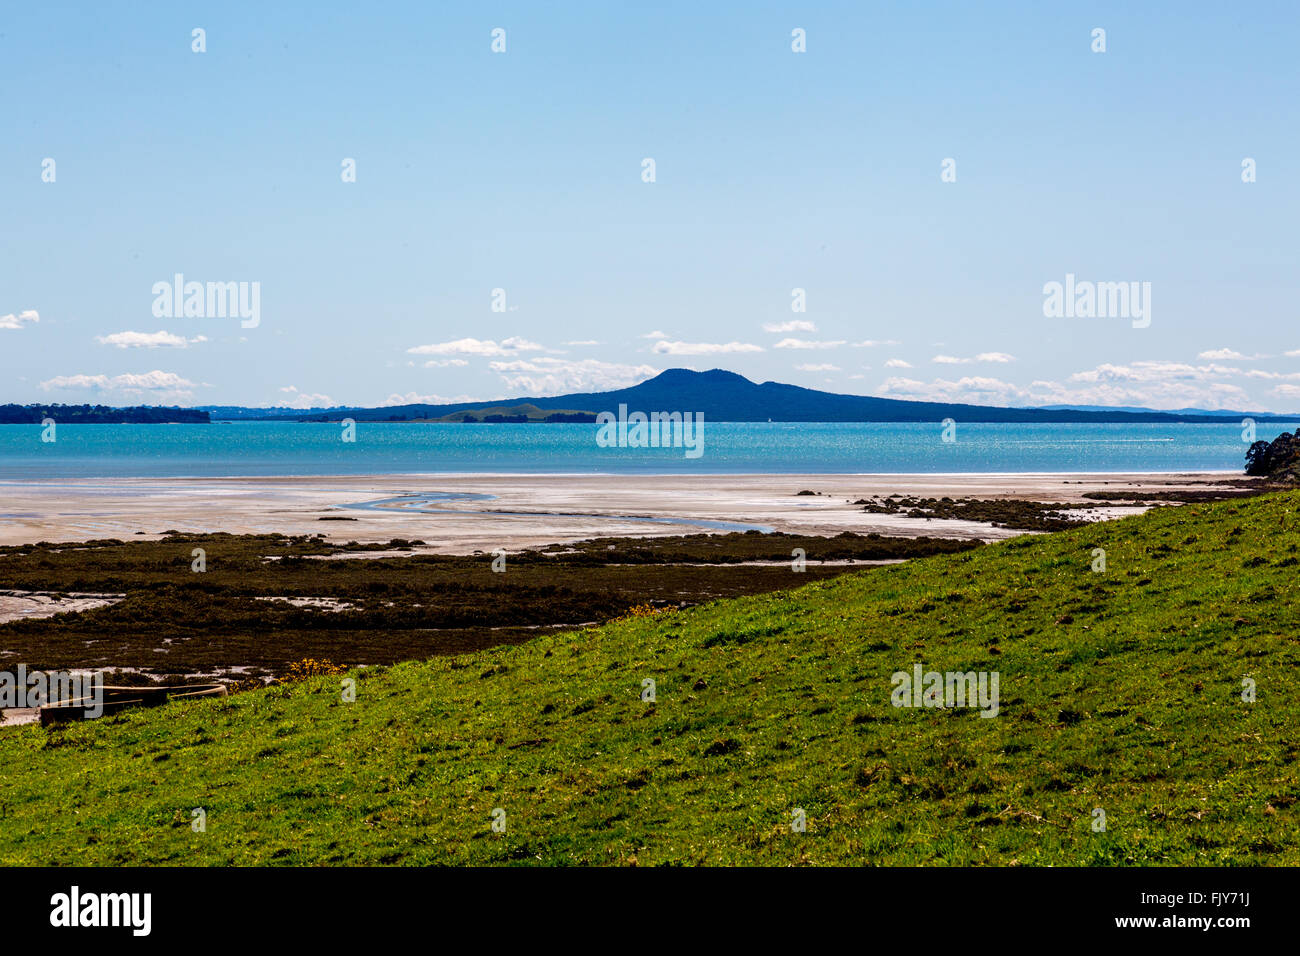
x: 252, y: 448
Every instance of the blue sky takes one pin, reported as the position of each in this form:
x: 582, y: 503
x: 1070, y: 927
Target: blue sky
x: 774, y: 170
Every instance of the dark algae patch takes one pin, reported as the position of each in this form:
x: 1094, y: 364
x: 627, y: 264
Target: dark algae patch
x: 1025, y: 515
x: 267, y: 601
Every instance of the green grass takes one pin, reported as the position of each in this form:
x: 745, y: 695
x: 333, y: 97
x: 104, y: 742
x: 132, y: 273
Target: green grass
x: 1119, y: 690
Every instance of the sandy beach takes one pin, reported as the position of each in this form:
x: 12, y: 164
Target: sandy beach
x: 527, y: 510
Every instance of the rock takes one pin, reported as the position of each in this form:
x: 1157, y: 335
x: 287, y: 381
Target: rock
x: 1278, y: 460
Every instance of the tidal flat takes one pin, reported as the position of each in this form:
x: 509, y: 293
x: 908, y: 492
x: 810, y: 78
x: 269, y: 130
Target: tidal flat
x: 247, y: 608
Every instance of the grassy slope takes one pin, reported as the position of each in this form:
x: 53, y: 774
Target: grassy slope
x: 1119, y: 690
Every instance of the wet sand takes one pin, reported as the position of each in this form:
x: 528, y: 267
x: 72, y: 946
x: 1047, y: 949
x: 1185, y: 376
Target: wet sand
x: 30, y: 605
x: 525, y: 510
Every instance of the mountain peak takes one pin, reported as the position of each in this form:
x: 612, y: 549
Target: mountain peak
x: 714, y: 376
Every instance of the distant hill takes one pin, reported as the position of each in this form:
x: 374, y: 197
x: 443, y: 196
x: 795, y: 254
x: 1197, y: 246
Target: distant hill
x: 519, y: 414
x: 1214, y: 412
x: 724, y: 396
x: 101, y: 415
x: 235, y: 413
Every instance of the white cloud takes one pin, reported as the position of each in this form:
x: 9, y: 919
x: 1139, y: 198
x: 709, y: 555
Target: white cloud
x: 1147, y: 372
x: 299, y: 399
x: 818, y: 368
x: 414, y: 398
x: 478, y: 347
x: 1153, y: 384
x: 999, y: 357
x: 445, y: 363
x: 1232, y: 355
x: 12, y: 321
x: 155, y: 381
x: 1159, y: 384
x: 552, y: 376
x: 794, y: 325
x: 969, y: 389
x: 584, y: 342
x: 872, y: 343
x: 664, y: 347
x: 897, y: 363
x: 1272, y: 376
x: 148, y: 340
x: 808, y: 344
x: 656, y: 334
x: 1222, y: 354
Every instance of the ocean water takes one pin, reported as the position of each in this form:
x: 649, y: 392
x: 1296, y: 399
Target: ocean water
x: 251, y: 448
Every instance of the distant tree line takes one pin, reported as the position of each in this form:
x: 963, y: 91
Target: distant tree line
x: 523, y: 419
x: 100, y: 415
